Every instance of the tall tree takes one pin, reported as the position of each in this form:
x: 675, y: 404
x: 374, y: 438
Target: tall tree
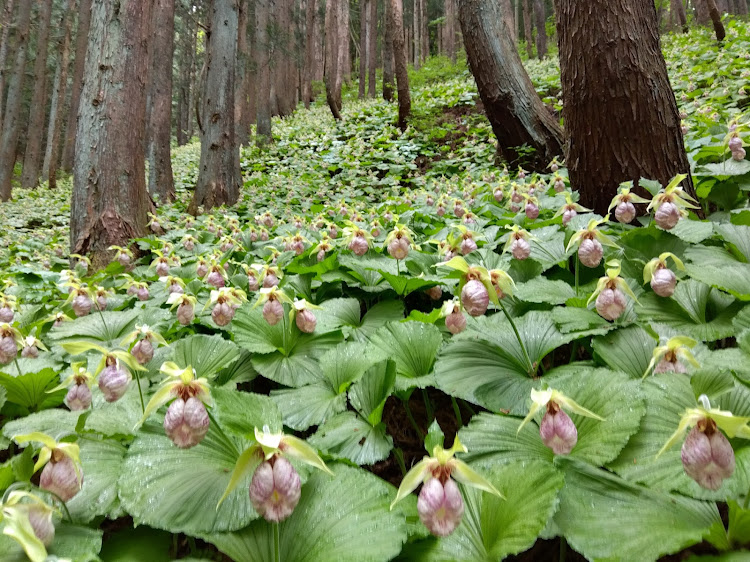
x: 416, y: 31
x: 82, y: 37
x: 160, y: 178
x: 219, y: 176
x: 372, y: 47
x: 527, y: 28
x: 678, y: 9
x: 13, y: 106
x: 540, y: 18
x: 715, y: 14
x: 333, y: 59
x: 396, y: 23
x: 311, y: 23
x: 110, y: 202
x: 364, y: 42
x: 56, y: 112
x: 345, y: 60
x: 631, y: 128
x: 701, y: 12
x: 389, y: 78
x: 243, y: 82
x: 6, y: 23
x: 517, y: 115
x: 450, y: 29
x: 506, y: 9
x: 37, y: 110
x: 263, y: 91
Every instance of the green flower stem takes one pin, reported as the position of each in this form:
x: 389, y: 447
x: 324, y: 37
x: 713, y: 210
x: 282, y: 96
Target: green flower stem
x: 530, y: 365
x: 226, y: 438
x: 563, y: 549
x: 457, y: 412
x: 412, y: 420
x: 17, y: 366
x: 140, y: 391
x: 96, y: 303
x: 578, y: 265
x: 428, y: 406
x: 747, y: 501
x: 276, y: 541
x: 399, y: 454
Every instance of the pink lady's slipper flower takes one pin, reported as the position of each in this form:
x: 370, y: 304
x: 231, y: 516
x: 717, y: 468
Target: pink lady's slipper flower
x: 62, y: 465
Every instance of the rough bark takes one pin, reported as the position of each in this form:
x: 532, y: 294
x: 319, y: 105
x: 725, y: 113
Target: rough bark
x: 110, y: 202
x: 219, y: 177
x: 82, y: 37
x: 389, y: 77
x: 13, y: 106
x: 507, y: 15
x: 396, y: 23
x: 715, y: 16
x: 527, y: 28
x: 416, y: 28
x: 621, y: 117
x: 160, y: 178
x: 701, y: 12
x: 372, y: 48
x: 740, y: 7
x: 540, y: 18
x: 364, y: 41
x: 54, y: 129
x: 332, y: 70
x: 517, y: 115
x: 6, y: 23
x: 242, y: 93
x: 450, y: 29
x: 311, y: 12
x: 37, y: 110
x: 263, y: 92
x: 678, y: 9
x: 346, y: 57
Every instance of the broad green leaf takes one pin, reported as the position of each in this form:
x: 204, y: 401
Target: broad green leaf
x: 346, y: 363
x: 692, y: 231
x: 206, y: 354
x: 356, y: 527
x: 348, y: 436
x: 377, y: 316
x: 55, y: 423
x: 107, y: 328
x: 413, y: 346
x: 738, y: 235
x: 729, y: 167
x: 3, y: 396
x: 135, y: 545
x: 493, y: 528
x: 718, y: 268
x: 607, y: 518
x: 308, y: 405
x: 570, y: 319
x: 241, y: 412
x: 72, y: 542
x: 406, y: 285
x: 30, y: 390
x: 543, y: 290
x: 337, y: 313
x: 627, y: 349
x: 739, y: 524
x: 252, y: 332
x: 116, y: 419
x: 369, y: 393
x: 548, y: 246
x: 101, y: 465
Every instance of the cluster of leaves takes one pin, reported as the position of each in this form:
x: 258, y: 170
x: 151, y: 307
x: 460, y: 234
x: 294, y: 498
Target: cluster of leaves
x: 380, y: 334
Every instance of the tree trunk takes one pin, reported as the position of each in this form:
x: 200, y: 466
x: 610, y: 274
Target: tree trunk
x: 517, y: 115
x: 450, y: 29
x: 416, y: 61
x: 507, y: 15
x: 389, y: 78
x: 541, y: 29
x: 160, y: 178
x: 740, y: 7
x: 12, y: 121
x: 396, y: 24
x: 701, y: 12
x: 37, y: 112
x: 219, y: 177
x: 345, y: 62
x: 678, y: 8
x: 110, y: 202
x: 82, y: 37
x: 7, y: 23
x: 715, y: 16
x: 621, y: 117
x: 242, y: 75
x: 425, y: 30
x: 54, y: 130
x: 310, y: 25
x: 364, y: 42
x: 527, y: 28
x: 372, y: 48
x: 263, y: 92
x: 332, y: 71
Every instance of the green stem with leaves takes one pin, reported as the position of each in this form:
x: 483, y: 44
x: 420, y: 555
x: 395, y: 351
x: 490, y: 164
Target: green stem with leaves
x: 17, y: 367
x: 529, y: 364
x: 578, y: 265
x: 140, y: 391
x: 457, y: 412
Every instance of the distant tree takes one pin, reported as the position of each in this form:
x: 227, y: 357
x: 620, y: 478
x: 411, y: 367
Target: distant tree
x: 243, y: 86
x: 263, y: 91
x: 6, y: 23
x: 334, y: 59
x: 678, y: 9
x: 528, y: 28
x: 372, y: 47
x: 110, y: 202
x: 364, y: 41
x: 450, y: 29
x: 311, y: 24
x: 395, y: 22
x: 389, y: 78
x: 540, y: 20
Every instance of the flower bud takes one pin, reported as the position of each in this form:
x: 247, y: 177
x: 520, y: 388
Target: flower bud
x: 735, y: 143
x: 222, y: 314
x: 333, y: 231
x: 568, y: 216
x: 739, y: 154
x: 270, y: 280
x: 559, y: 186
x: 186, y: 422
x: 143, y: 351
x: 398, y: 248
x: 590, y: 252
x: 625, y: 212
x: 201, y: 270
x: 467, y: 246
x: 498, y: 195
x: 321, y: 255
x: 59, y: 476
x: 667, y: 215
x: 123, y: 259
x: 30, y: 352
x: 306, y: 321
x: 557, y: 430
x: 113, y: 382
x: 532, y: 210
x: 440, y: 211
x: 663, y: 282
x: 430, y: 201
x: 188, y: 245
x: 8, y: 349
x: 81, y: 305
x: 359, y: 245
x: 264, y: 236
x: 162, y: 269
x: 275, y: 489
x: 175, y: 288
x: 252, y: 283
x: 670, y: 365
x: 101, y: 302
x: 455, y: 321
x: 41, y: 522
x: 475, y: 298
x: 435, y: 293
x: 185, y: 313
x: 520, y: 249
x: 610, y: 303
x: 707, y: 455
x: 78, y: 397
x: 515, y: 196
x: 440, y: 506
x: 6, y: 315
x: 215, y: 279
x: 142, y: 294
x: 273, y: 311
x: 458, y: 210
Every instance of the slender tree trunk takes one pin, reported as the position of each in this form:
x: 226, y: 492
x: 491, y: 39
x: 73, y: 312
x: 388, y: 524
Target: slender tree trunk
x: 527, y: 28
x: 219, y: 177
x: 389, y: 79
x: 54, y: 129
x: 319, y: 42
x: 263, y: 92
x: 372, y: 47
x: 506, y: 10
x: 12, y: 121
x: 242, y: 74
x: 364, y: 41
x: 715, y: 16
x: 425, y: 30
x: 517, y: 115
x: 450, y: 29
x: 110, y: 202
x: 333, y: 56
x: 702, y: 15
x: 311, y: 12
x: 541, y: 29
x: 678, y: 8
x: 37, y: 112
x: 346, y: 58
x: 396, y: 23
x: 84, y: 21
x: 417, y: 42
x: 7, y: 23
x: 740, y: 7
x: 160, y: 178
x: 631, y: 128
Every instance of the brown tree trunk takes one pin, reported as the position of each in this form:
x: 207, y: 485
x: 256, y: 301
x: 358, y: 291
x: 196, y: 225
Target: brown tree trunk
x: 372, y: 48
x: 517, y: 115
x: 364, y: 42
x: 701, y: 12
x: 7, y: 23
x: 389, y: 79
x: 242, y: 93
x: 263, y: 92
x: 506, y: 10
x: 450, y: 29
x: 425, y: 30
x: 54, y: 130
x: 527, y: 28
x: 621, y: 117
x: 110, y: 202
x: 82, y: 37
x: 37, y: 110
x: 345, y: 61
x: 396, y: 23
x: 219, y: 177
x: 160, y: 178
x: 333, y: 56
x: 740, y: 7
x: 678, y: 8
x: 311, y: 12
x: 416, y: 28
x: 13, y: 106
x: 319, y: 42
x: 541, y: 29
x: 715, y: 16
